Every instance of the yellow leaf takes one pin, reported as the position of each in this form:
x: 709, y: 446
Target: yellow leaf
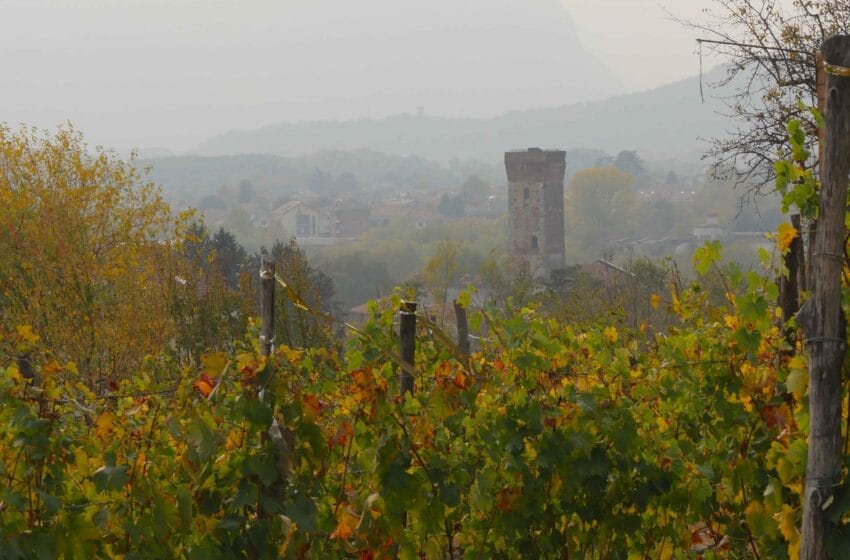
x: 103, y: 425
x: 787, y: 519
x: 611, y: 334
x: 785, y: 236
x: 234, y: 440
x: 27, y: 339
x: 794, y: 550
x: 557, y: 483
x: 214, y: 363
x: 655, y: 301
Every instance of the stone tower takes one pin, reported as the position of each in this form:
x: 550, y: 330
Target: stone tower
x: 536, y: 207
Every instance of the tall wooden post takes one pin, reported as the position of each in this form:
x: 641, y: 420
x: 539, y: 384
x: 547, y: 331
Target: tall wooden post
x: 789, y: 293
x: 462, y: 329
x: 820, y: 94
x: 267, y: 306
x: 822, y: 322
x: 407, y: 334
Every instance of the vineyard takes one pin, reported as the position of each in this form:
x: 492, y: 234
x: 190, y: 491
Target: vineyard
x: 548, y: 442
x: 119, y: 438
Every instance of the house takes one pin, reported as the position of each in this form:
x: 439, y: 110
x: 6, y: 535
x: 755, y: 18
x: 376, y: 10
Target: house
x: 303, y: 219
x: 607, y: 272
x: 351, y: 219
x: 383, y: 214
x: 420, y: 219
x: 710, y: 230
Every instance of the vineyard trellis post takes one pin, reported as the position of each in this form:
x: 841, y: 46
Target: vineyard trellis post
x: 789, y: 293
x: 407, y: 336
x: 462, y: 329
x: 267, y: 281
x: 822, y: 321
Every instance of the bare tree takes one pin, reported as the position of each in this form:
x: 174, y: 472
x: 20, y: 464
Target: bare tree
x: 771, y: 49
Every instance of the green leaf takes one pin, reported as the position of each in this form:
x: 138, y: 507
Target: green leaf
x: 302, y: 510
x: 110, y: 477
x: 184, y: 507
x: 259, y: 414
x: 706, y: 256
x: 797, y: 381
x: 263, y: 465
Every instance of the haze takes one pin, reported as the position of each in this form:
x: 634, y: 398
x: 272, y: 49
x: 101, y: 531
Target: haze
x: 173, y: 73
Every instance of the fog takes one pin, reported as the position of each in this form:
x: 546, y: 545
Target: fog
x: 172, y: 73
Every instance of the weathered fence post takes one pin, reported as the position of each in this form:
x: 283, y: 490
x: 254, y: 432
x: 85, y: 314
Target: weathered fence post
x: 789, y: 292
x: 822, y: 320
x: 462, y: 329
x: 267, y: 306
x: 407, y: 334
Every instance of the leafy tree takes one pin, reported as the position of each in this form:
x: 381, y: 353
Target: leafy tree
x: 212, y: 202
x: 441, y: 272
x: 229, y: 257
x: 600, y: 206
x: 474, y: 189
x: 82, y: 238
x: 346, y: 182
x: 320, y: 181
x: 628, y: 161
x: 452, y: 206
x: 295, y: 326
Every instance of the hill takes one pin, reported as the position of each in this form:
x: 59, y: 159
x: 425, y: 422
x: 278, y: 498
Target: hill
x: 663, y: 122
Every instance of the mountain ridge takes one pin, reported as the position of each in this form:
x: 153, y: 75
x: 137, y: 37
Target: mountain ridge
x: 668, y: 120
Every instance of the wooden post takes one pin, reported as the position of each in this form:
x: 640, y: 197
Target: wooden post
x: 789, y: 293
x: 822, y: 320
x: 462, y: 329
x: 820, y: 94
x: 407, y: 334
x: 267, y: 306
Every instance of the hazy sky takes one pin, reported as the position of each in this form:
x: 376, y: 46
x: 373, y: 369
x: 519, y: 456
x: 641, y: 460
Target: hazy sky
x: 174, y: 72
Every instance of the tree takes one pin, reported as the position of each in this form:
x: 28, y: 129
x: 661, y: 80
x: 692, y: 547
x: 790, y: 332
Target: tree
x: 83, y: 246
x: 474, y: 189
x: 294, y: 325
x: 771, y: 53
x: 346, y: 182
x: 230, y: 257
x: 441, y: 271
x: 599, y: 205
x: 628, y: 161
x: 452, y: 206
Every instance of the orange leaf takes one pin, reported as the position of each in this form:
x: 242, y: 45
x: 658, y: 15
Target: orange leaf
x: 346, y: 522
x: 203, y: 387
x: 344, y: 432
x: 508, y: 498
x: 460, y: 381
x: 311, y: 402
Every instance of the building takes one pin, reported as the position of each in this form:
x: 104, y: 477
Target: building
x: 709, y: 231
x: 351, y: 219
x: 536, y: 207
x: 303, y: 220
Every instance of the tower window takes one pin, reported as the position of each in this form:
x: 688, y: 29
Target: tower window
x: 525, y: 193
x: 534, y: 242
